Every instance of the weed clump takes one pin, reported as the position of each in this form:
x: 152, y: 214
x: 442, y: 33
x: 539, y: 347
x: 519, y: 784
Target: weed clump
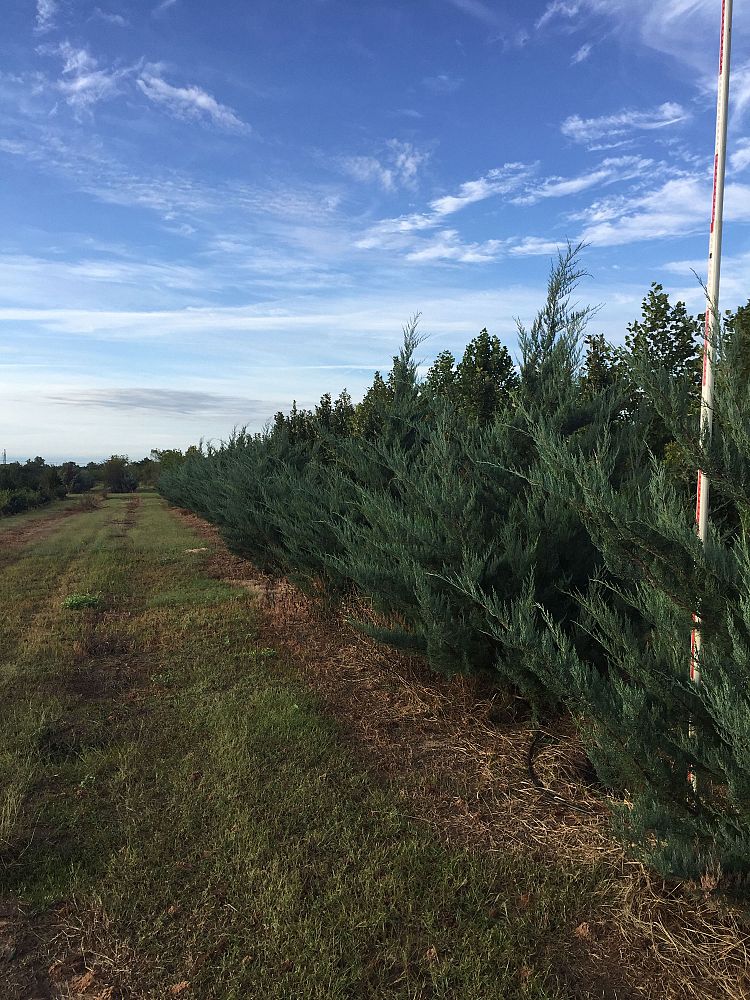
x: 77, y: 602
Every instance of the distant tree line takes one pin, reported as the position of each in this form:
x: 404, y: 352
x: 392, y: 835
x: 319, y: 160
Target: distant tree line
x: 25, y: 485
x: 535, y: 520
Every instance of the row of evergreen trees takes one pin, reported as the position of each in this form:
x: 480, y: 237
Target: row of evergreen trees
x: 536, y: 521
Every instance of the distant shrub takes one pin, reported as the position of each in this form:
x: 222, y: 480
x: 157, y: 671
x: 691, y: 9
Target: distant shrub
x: 17, y: 501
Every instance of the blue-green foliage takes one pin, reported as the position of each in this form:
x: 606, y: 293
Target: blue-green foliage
x: 535, y: 521
x: 647, y: 724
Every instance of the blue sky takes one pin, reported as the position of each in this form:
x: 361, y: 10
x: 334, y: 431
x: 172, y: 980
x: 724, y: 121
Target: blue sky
x: 211, y: 209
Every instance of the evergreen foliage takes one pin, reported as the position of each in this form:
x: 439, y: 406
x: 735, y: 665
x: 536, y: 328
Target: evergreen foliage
x: 638, y: 713
x: 535, y: 521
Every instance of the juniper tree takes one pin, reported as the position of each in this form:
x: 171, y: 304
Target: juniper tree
x: 637, y: 713
x: 539, y: 546
x: 455, y: 499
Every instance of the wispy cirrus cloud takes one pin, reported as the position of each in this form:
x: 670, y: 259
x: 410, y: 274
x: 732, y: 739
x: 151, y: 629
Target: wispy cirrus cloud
x: 442, y: 83
x: 623, y: 122
x: 685, y: 30
x: 190, y: 103
x: 739, y: 158
x: 609, y: 171
x: 558, y: 8
x: 500, y: 180
x: 675, y: 208
x: 400, y: 232
x: 163, y: 7
x: 46, y: 14
x: 481, y: 12
x: 448, y: 246
x: 580, y: 55
x: 83, y: 83
x: 111, y: 17
x: 398, y: 168
x: 520, y: 185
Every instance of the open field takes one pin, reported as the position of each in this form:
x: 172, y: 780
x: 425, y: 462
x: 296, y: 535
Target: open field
x: 185, y: 813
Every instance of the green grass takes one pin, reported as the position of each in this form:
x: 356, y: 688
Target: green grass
x: 75, y: 602
x: 171, y: 781
x: 37, y: 513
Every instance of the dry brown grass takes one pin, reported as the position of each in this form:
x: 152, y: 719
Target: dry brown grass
x: 461, y: 757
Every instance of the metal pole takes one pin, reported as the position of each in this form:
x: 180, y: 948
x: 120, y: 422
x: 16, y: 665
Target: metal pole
x: 713, y: 320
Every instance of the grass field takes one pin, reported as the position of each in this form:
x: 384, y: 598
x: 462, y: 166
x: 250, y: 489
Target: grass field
x: 179, y: 816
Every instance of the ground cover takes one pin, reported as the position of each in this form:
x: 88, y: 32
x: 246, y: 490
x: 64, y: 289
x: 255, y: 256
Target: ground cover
x: 189, y: 809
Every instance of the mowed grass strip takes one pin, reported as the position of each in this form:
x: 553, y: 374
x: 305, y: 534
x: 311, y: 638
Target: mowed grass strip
x: 179, y: 804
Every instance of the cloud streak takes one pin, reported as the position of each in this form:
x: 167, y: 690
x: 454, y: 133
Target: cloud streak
x: 442, y: 83
x: 480, y: 12
x: 623, y: 122
x: 163, y: 400
x: 514, y: 181
x: 109, y: 17
x: 190, y: 103
x: 581, y: 54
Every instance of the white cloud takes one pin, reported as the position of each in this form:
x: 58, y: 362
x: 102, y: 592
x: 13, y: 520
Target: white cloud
x: 739, y: 90
x: 109, y: 17
x: 558, y: 8
x: 739, y: 158
x: 46, y: 12
x: 581, y: 54
x: 399, y: 167
x: 679, y: 207
x: 612, y: 169
x: 399, y: 233
x: 190, y: 103
x: 480, y: 11
x: 392, y: 233
x: 163, y: 7
x: 500, y: 180
x: 368, y: 168
x: 734, y: 271
x: 623, y: 122
x: 685, y: 30
x: 448, y: 246
x: 536, y: 246
x: 517, y: 182
x: 443, y: 83
x: 83, y: 84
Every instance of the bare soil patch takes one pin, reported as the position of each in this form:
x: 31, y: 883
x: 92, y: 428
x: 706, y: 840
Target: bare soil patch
x: 469, y: 763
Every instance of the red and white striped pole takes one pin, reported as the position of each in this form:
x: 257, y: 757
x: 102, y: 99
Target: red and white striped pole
x: 713, y: 320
